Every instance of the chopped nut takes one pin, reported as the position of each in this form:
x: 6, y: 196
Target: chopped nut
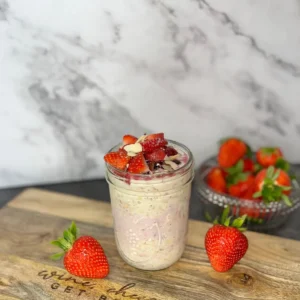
x: 151, y: 165
x: 141, y: 138
x: 135, y: 148
x: 131, y: 154
x: 167, y: 168
x: 173, y: 157
x: 172, y: 164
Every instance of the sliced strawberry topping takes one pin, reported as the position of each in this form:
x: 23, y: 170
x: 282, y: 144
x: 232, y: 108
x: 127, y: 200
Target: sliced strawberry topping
x: 129, y: 139
x: 156, y: 156
x: 150, y: 145
x: 117, y: 159
x: 138, y: 164
x: 155, y: 136
x: 170, y: 151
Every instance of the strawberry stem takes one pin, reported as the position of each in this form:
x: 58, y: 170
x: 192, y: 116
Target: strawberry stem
x: 271, y: 191
x: 268, y: 150
x: 282, y: 164
x: 207, y: 216
x: 66, y: 242
x: 249, y: 152
x: 229, y: 222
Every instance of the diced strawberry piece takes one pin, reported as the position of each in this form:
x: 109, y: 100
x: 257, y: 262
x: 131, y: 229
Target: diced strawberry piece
x: 117, y: 159
x: 152, y: 144
x: 138, y: 164
x: 155, y: 136
x: 129, y: 139
x: 156, y: 156
x: 170, y: 151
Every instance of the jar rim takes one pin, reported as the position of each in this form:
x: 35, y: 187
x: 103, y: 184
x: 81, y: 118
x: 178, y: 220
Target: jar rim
x: 113, y: 170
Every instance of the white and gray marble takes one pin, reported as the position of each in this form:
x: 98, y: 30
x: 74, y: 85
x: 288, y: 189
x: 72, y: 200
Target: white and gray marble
x: 76, y: 75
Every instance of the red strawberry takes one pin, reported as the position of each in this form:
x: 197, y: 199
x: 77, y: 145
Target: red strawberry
x: 150, y: 145
x: 117, y: 159
x: 272, y: 185
x: 138, y: 164
x: 248, y: 194
x: 129, y: 139
x: 155, y: 136
x: 216, y: 180
x: 241, y: 183
x: 83, y: 257
x: 170, y: 151
x: 225, y: 245
x: 249, y: 165
x: 155, y: 156
x: 268, y: 156
x: 231, y: 151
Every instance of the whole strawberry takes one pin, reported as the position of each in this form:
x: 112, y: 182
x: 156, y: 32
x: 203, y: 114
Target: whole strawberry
x: 83, y: 257
x: 231, y: 151
x: 216, y: 180
x: 273, y: 185
x: 225, y: 244
x: 267, y: 156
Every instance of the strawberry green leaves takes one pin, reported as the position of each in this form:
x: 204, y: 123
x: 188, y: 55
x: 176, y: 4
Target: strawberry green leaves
x: 57, y: 256
x: 287, y: 200
x: 227, y: 220
x: 66, y: 242
x: 282, y: 164
x: 272, y: 190
x: 239, y: 222
x: 237, y: 168
x: 235, y: 173
x: 268, y: 150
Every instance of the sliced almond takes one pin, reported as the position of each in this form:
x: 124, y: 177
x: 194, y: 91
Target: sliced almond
x: 135, y: 148
x: 141, y: 138
x: 172, y: 164
x: 167, y: 168
x: 131, y: 154
x: 173, y: 157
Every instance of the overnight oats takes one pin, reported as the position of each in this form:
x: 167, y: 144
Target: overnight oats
x: 150, y: 187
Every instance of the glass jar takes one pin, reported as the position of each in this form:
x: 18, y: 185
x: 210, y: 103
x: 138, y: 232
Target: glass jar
x: 150, y: 212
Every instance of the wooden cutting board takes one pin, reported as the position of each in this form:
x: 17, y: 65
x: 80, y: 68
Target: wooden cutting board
x: 270, y: 269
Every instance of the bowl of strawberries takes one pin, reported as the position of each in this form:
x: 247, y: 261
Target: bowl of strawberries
x: 260, y: 184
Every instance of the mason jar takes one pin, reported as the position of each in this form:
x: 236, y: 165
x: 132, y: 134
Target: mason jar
x: 150, y: 212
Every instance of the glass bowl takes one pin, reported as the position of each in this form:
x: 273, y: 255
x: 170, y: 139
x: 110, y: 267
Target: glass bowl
x: 260, y: 216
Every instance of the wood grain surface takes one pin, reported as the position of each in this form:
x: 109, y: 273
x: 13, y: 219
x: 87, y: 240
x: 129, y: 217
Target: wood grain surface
x: 270, y: 269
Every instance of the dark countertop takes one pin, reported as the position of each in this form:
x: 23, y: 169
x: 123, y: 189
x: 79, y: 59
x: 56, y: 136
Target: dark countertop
x: 98, y: 190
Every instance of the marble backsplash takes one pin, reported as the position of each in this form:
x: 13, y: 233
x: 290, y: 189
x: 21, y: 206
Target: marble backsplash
x: 76, y: 75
